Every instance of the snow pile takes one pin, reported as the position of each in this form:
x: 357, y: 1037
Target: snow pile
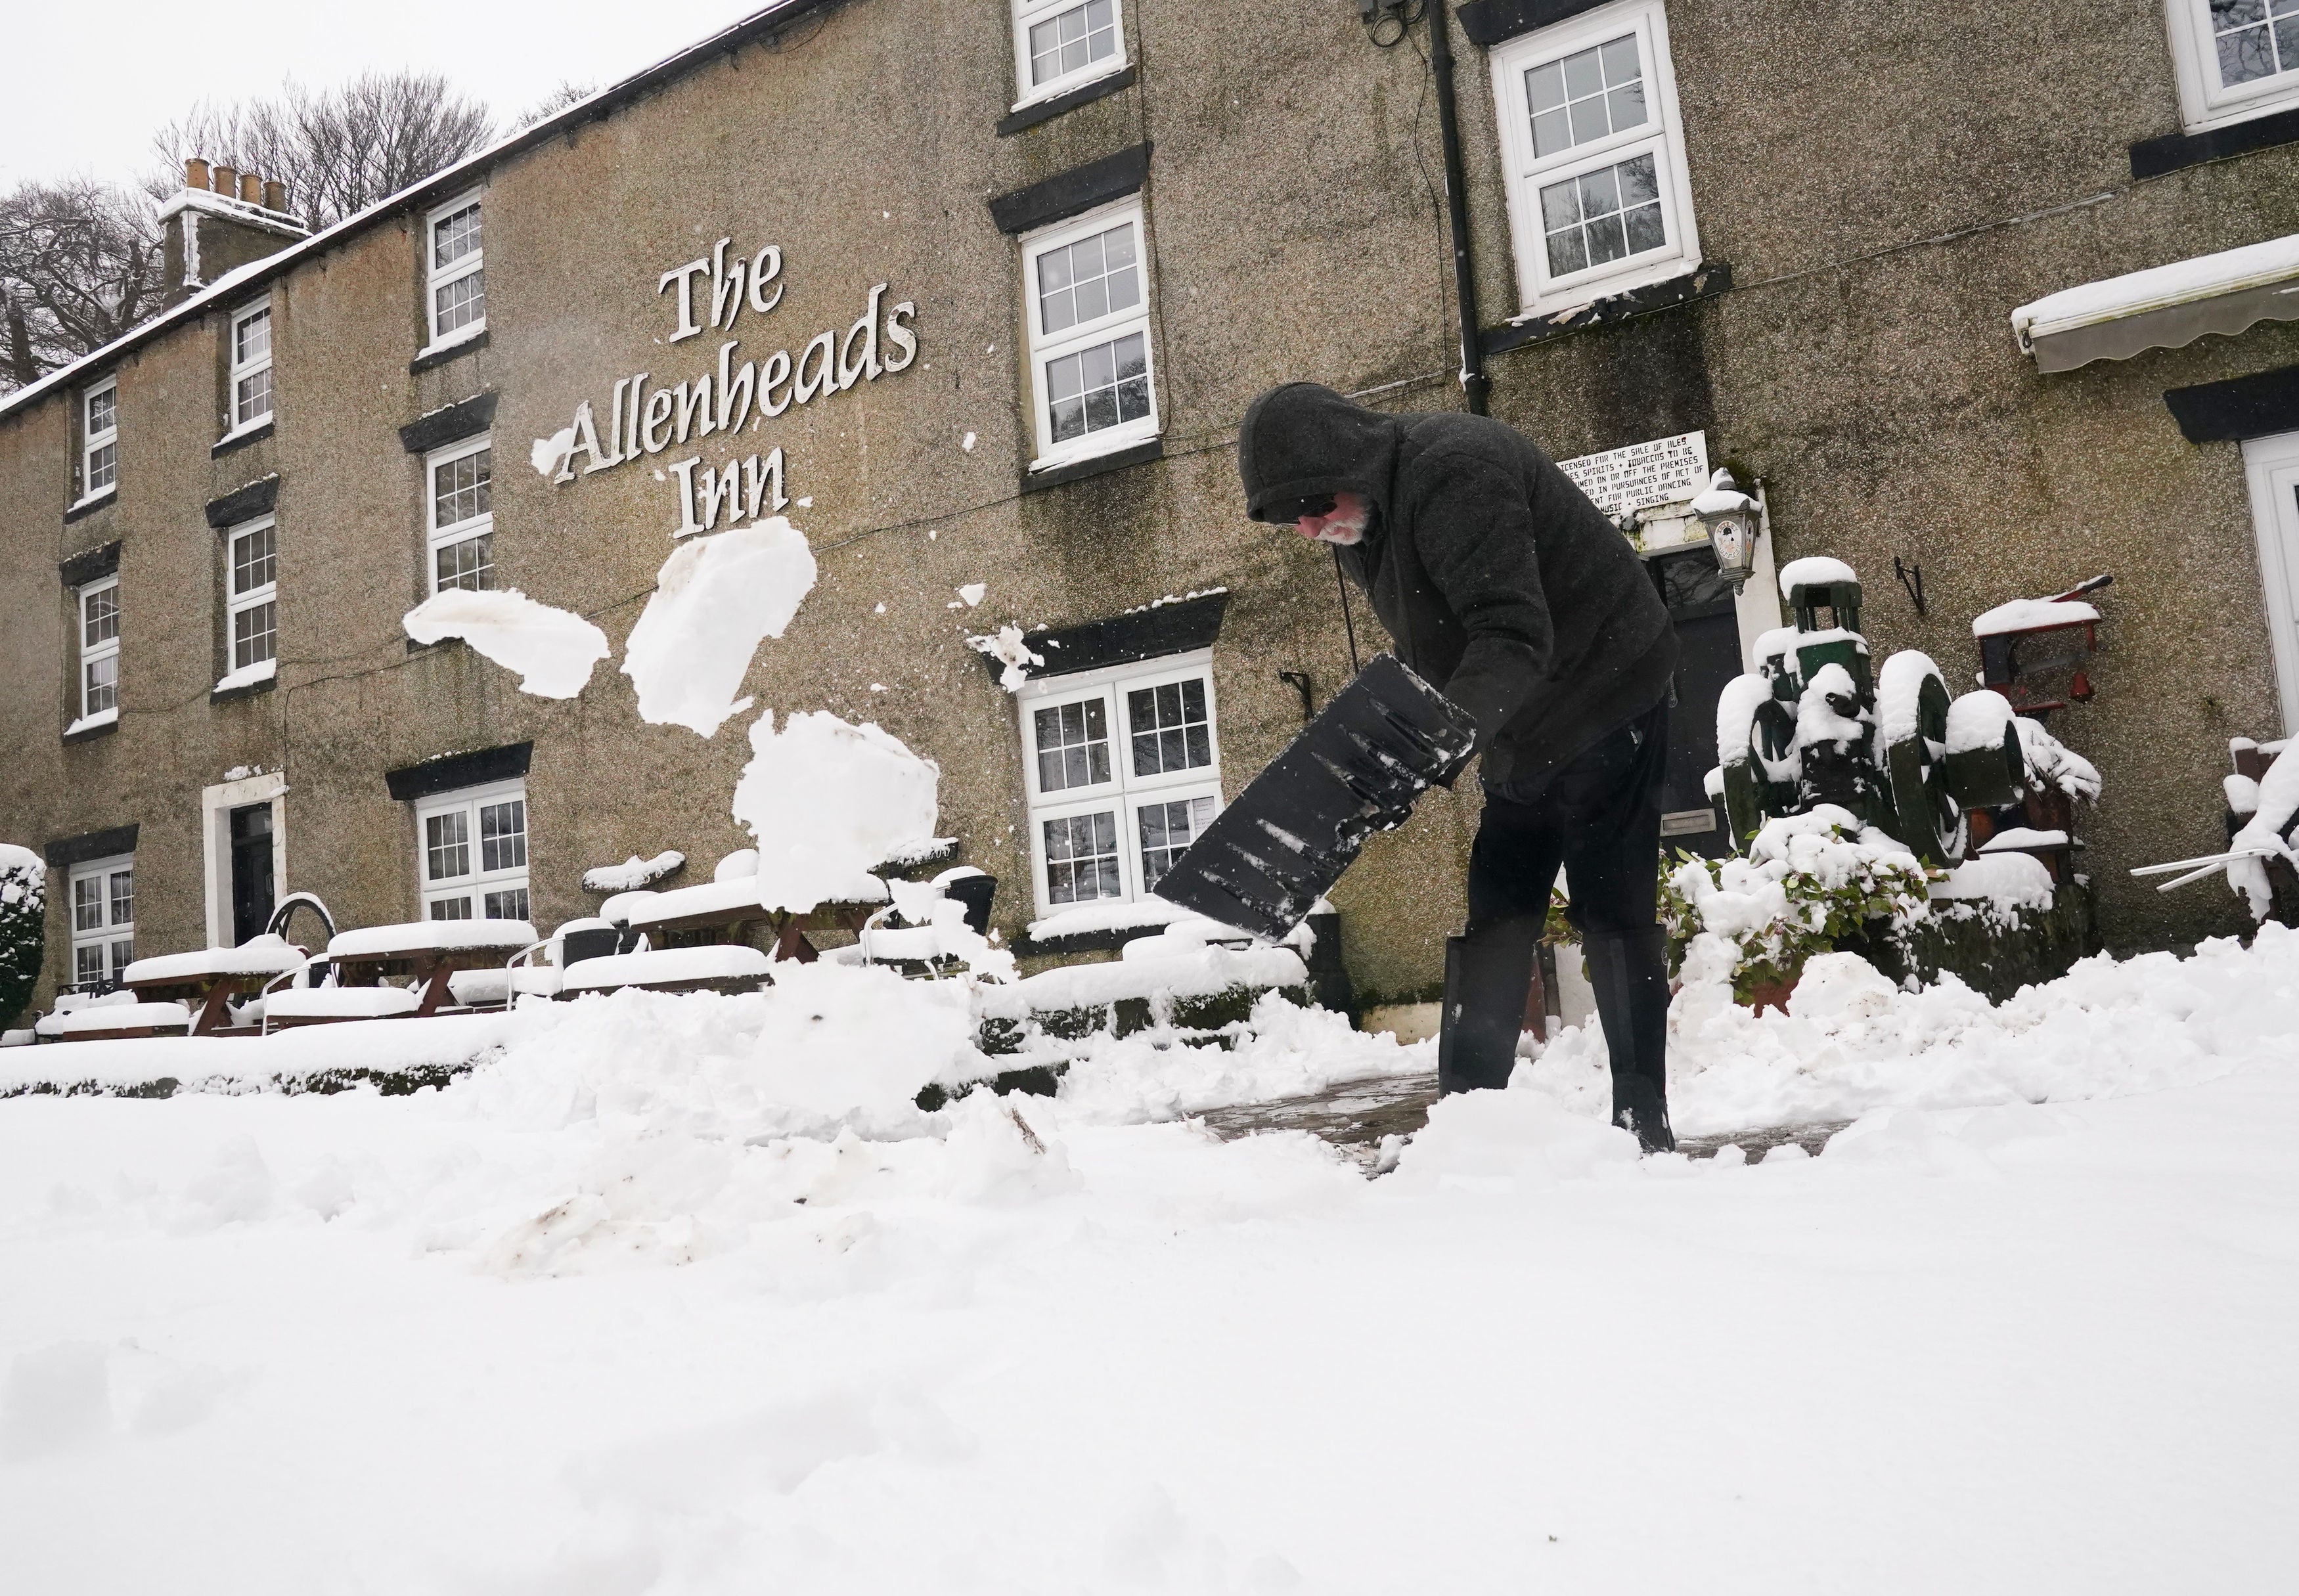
x: 265, y: 954
x: 1736, y: 717
x: 551, y: 649
x: 826, y: 801
x: 1829, y: 710
x: 2027, y: 615
x: 1008, y: 649
x: 2006, y: 883
x: 1899, y: 695
x: 2053, y: 762
x: 634, y: 872
x: 1852, y: 1043
x: 247, y: 676
x: 2268, y: 831
x: 715, y: 600
x: 1978, y: 720
x: 1823, y: 851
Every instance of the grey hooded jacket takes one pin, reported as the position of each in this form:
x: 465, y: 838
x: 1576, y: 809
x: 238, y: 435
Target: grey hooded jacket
x: 1500, y: 582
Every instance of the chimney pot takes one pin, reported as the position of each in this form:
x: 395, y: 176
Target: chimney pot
x: 275, y: 195
x: 195, y: 172
x: 227, y: 180
x: 251, y: 189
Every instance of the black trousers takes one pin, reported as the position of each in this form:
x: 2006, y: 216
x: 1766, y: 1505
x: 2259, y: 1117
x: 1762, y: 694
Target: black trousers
x: 1598, y: 819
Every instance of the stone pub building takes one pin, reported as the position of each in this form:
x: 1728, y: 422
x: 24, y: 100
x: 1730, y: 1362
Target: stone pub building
x: 976, y: 292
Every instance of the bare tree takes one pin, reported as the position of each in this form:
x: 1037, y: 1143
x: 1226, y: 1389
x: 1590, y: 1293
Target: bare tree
x: 338, y: 150
x: 558, y: 100
x: 80, y: 265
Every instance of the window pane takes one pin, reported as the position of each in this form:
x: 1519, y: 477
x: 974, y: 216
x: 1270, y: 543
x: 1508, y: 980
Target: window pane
x: 1082, y: 858
x: 1167, y: 830
x: 101, y: 683
x: 1583, y: 74
x: 452, y: 908
x: 468, y: 564
x: 88, y: 966
x: 1169, y: 727
x: 1073, y: 746
x: 252, y: 397
x: 1584, y: 220
x: 123, y: 954
x: 454, y: 236
x: 510, y: 904
x: 1544, y: 87
x: 447, y: 845
x: 101, y: 410
x: 1115, y: 383
x: 1073, y: 39
x: 124, y: 896
x: 462, y: 302
x: 103, y: 467
x: 502, y: 837
x: 252, y: 339
x: 253, y: 557
x: 1590, y: 94
x: 88, y: 904
x: 100, y: 611
x: 1091, y: 278
x: 462, y: 489
x: 254, y: 634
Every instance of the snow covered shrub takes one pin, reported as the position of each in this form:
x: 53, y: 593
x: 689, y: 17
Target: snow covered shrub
x: 23, y: 914
x: 1808, y: 882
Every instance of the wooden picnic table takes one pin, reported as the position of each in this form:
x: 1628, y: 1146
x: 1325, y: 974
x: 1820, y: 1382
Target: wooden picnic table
x: 730, y: 911
x: 206, y: 980
x: 426, y: 950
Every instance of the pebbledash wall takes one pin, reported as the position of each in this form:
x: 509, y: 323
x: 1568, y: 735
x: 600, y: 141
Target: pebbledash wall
x: 1830, y: 213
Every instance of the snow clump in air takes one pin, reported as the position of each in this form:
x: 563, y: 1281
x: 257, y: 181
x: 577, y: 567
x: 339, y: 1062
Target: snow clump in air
x: 2267, y: 833
x: 1008, y: 648
x: 715, y: 601
x: 553, y: 650
x: 828, y: 801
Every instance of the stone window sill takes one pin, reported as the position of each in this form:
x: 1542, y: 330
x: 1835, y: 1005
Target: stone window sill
x: 1031, y: 114
x: 241, y: 440
x: 1093, y: 465
x: 89, y: 506
x: 439, y: 354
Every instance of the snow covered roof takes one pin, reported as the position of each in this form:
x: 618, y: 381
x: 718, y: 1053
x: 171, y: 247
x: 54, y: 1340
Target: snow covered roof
x: 2162, y: 307
x: 776, y: 13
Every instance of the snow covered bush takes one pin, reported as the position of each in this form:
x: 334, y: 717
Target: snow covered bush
x: 1808, y: 882
x: 23, y: 915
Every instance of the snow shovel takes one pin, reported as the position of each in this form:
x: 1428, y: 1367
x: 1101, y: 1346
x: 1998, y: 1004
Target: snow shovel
x: 1354, y: 769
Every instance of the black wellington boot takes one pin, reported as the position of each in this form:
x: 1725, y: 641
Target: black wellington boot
x: 1487, y: 974
x: 1629, y: 972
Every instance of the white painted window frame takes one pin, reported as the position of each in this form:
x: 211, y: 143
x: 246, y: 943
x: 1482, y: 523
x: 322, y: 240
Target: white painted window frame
x: 2271, y: 470
x: 1045, y: 347
x: 236, y: 603
x: 94, y: 442
x: 1124, y: 793
x: 244, y: 370
x: 436, y: 536
x: 91, y: 654
x: 102, y: 936
x: 436, y: 276
x: 478, y: 881
x: 1027, y: 14
x: 1539, y: 292
x: 2204, y: 101
x: 216, y: 804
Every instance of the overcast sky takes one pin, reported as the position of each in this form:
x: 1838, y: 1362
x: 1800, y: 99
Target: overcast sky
x: 95, y: 80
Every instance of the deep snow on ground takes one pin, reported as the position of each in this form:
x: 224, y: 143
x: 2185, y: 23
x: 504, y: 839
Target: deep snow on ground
x: 648, y: 1303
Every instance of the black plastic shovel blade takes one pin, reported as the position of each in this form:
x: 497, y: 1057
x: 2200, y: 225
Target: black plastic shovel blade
x: 1354, y: 770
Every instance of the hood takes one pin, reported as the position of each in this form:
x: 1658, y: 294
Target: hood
x: 1303, y: 440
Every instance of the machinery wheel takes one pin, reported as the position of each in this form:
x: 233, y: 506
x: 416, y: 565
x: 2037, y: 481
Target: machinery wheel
x: 1911, y: 704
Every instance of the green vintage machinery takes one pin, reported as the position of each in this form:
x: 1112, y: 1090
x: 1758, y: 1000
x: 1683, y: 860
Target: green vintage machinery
x: 1815, y: 725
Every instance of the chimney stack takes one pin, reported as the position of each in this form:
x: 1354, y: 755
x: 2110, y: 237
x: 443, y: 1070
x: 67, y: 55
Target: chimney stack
x: 251, y: 189
x: 227, y: 180
x: 203, y: 240
x: 275, y: 195
x: 195, y: 172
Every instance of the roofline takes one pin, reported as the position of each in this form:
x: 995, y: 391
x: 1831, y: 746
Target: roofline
x: 596, y: 107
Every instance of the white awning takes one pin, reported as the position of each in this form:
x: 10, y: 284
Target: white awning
x: 2162, y: 307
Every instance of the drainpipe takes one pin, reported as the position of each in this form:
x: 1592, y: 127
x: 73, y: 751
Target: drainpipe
x: 1474, y: 384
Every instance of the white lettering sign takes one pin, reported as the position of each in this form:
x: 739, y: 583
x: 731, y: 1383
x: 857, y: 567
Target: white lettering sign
x: 1661, y: 471
x: 642, y: 421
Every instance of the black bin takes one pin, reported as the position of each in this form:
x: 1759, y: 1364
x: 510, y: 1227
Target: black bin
x: 1354, y: 769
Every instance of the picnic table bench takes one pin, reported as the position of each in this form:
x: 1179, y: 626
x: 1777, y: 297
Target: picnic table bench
x: 373, y: 958
x: 206, y: 980
x: 113, y: 1022
x: 730, y: 909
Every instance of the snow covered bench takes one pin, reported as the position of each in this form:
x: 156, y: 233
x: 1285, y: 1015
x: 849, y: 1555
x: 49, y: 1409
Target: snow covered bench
x: 1173, y: 980
x: 728, y: 908
x: 209, y: 979
x: 719, y: 967
x: 424, y: 954
x: 113, y: 1021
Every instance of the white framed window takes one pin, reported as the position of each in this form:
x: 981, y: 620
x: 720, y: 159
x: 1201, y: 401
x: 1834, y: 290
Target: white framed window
x: 471, y: 853
x: 98, y: 604
x: 1122, y: 772
x: 99, y: 449
x: 250, y: 367
x: 102, y: 905
x: 459, y: 489
x: 252, y: 593
x: 1089, y: 324
x: 455, y: 274
x: 2235, y: 59
x: 1061, y: 44
x: 1598, y: 200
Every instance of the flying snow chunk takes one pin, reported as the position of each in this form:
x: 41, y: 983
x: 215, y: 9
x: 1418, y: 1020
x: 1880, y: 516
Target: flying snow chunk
x: 973, y: 592
x: 828, y: 801
x: 715, y: 601
x: 551, y: 649
x: 550, y: 453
